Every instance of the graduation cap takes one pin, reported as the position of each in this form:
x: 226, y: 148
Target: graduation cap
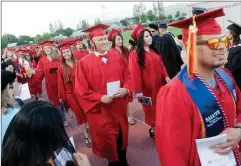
x: 113, y: 33
x: 20, y: 52
x: 205, y: 22
x: 198, y: 10
x: 132, y: 42
x: 7, y: 77
x: 65, y: 46
x: 137, y: 32
x: 47, y: 43
x: 153, y: 26
x: 163, y: 25
x: 97, y: 30
x: 236, y: 28
x: 78, y: 40
x: 28, y: 52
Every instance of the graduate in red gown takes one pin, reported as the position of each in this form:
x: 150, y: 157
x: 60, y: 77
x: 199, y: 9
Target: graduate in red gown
x: 80, y: 52
x: 119, y: 50
x: 66, y: 84
x: 106, y: 113
x: 47, y: 68
x: 18, y: 64
x: 35, y: 89
x: 201, y: 92
x: 146, y: 73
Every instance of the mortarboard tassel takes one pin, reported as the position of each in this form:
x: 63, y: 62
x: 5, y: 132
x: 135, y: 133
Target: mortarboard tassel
x: 191, y: 49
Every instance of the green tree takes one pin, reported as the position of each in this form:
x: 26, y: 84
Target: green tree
x: 184, y: 14
x: 10, y: 38
x: 143, y: 18
x: 51, y: 28
x: 169, y: 17
x: 124, y: 22
x: 97, y: 21
x: 24, y: 38
x: 38, y: 38
x: 150, y: 15
x: 154, y: 8
x: 85, y: 24
x: 136, y: 19
x: 139, y: 10
x: 68, y: 31
x: 4, y: 42
x: 59, y: 32
x: 46, y: 36
x: 177, y: 14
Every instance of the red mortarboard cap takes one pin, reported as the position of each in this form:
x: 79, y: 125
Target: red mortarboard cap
x: 20, y: 51
x: 65, y: 46
x: 97, y: 30
x: 112, y: 34
x: 47, y: 43
x: 78, y: 41
x: 205, y: 22
x: 29, y: 52
x: 137, y: 32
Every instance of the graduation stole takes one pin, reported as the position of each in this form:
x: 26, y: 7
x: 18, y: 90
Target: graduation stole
x: 213, y: 117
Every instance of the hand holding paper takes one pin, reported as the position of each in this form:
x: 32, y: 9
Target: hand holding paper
x: 208, y: 157
x: 233, y: 138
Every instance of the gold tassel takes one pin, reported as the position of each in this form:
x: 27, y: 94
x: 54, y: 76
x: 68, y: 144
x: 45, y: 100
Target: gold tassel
x: 191, y: 49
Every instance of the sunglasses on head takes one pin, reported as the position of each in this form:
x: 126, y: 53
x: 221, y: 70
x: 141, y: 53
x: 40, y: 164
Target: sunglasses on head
x: 214, y: 42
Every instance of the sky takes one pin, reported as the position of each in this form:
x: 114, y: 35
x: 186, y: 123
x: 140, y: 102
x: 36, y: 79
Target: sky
x: 32, y: 18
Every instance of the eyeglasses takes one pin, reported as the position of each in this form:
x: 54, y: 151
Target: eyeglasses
x: 153, y: 31
x: 214, y: 42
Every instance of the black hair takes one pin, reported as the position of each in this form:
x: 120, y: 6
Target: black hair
x: 123, y: 49
x: 33, y: 135
x: 6, y: 63
x: 140, y: 49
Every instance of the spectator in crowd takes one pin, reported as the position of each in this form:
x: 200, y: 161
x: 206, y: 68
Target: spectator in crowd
x: 35, y: 136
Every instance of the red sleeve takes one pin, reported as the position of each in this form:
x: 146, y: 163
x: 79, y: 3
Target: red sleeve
x: 134, y: 74
x: 61, y: 85
x: 39, y: 75
x: 88, y: 98
x: 173, y: 127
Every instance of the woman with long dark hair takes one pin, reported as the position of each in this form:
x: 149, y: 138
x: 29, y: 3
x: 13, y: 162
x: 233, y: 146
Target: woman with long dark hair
x: 146, y: 73
x: 34, y: 137
x: 121, y: 51
x: 66, y: 78
x: 234, y: 52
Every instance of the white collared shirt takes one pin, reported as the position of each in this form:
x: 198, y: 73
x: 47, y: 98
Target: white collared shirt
x: 103, y: 59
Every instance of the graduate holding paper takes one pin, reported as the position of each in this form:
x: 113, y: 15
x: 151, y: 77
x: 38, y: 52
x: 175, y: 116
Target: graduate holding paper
x: 98, y: 74
x: 202, y: 101
x: 66, y: 80
x: 147, y: 73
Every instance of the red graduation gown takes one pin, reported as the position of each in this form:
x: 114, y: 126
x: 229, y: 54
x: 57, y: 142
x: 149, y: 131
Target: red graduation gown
x: 178, y: 123
x: 34, y: 88
x: 66, y: 93
x: 21, y: 71
x: 147, y: 81
x: 105, y: 120
x: 43, y: 71
x: 80, y: 54
x: 123, y: 60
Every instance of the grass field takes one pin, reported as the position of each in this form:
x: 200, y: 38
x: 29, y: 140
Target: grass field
x: 127, y: 35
